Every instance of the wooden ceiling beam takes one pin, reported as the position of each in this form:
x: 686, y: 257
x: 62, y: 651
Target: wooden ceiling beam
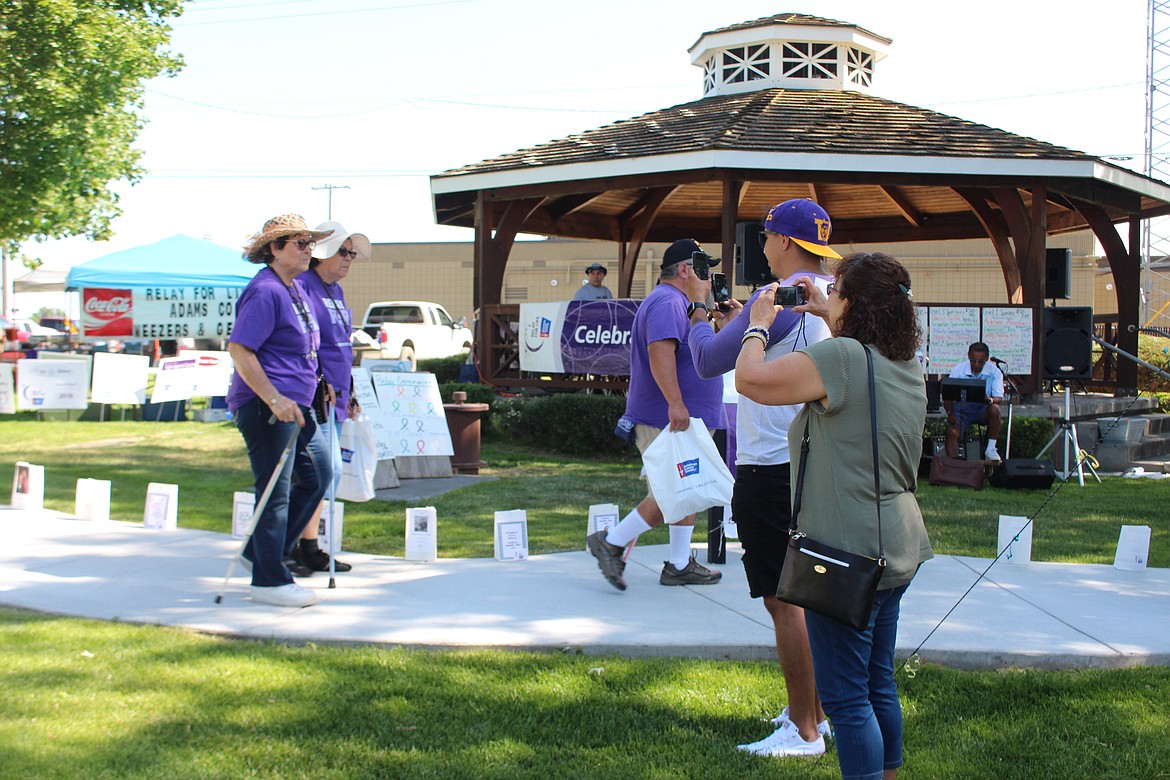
x: 561, y: 207
x: 641, y: 219
x: 997, y: 230
x: 902, y: 204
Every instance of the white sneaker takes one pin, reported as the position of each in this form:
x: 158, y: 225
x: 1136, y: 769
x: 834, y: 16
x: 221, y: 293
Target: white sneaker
x: 822, y: 727
x: 291, y: 595
x: 786, y: 741
x: 992, y: 453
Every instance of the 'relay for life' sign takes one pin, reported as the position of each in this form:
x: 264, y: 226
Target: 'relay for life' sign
x: 159, y: 312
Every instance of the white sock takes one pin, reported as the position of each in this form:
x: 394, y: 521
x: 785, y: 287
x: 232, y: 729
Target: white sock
x: 630, y: 528
x: 680, y: 545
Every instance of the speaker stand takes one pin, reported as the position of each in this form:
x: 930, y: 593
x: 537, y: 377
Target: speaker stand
x: 1068, y: 432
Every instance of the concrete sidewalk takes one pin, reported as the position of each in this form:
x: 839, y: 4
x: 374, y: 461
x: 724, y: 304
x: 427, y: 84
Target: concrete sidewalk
x: 1043, y: 615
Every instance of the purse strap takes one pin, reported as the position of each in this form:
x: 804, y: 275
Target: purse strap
x: 877, y: 489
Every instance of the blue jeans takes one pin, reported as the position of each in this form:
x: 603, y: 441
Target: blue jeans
x: 855, y: 679
x: 298, y: 490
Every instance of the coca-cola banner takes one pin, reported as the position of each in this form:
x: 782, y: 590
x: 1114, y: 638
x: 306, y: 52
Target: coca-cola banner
x: 159, y: 312
x: 577, y: 337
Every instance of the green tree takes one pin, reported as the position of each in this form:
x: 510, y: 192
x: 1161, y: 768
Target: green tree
x: 72, y: 76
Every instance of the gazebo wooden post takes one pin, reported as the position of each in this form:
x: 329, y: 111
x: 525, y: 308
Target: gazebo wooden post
x: 1126, y: 267
x: 482, y: 295
x: 732, y: 189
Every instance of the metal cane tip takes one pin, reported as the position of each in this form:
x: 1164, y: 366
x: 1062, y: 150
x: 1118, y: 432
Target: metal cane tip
x: 219, y: 599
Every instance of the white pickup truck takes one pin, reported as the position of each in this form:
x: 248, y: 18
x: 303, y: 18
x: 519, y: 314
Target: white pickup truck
x: 415, y: 330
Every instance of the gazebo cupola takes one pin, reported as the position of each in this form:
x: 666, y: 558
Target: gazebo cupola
x: 794, y: 51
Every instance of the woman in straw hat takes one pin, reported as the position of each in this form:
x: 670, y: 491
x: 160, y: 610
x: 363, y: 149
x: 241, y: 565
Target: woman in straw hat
x: 274, y: 344
x: 330, y: 264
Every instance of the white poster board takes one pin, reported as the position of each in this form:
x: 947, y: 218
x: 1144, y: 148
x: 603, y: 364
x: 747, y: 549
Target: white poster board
x: 119, y: 379
x: 601, y: 516
x: 1015, y: 539
x: 412, y: 404
x: 7, y: 389
x: 243, y: 503
x: 28, y: 486
x: 162, y: 507
x: 191, y: 374
x: 93, y: 499
x: 51, y: 384
x: 422, y: 534
x: 213, y: 371
x: 952, y: 330
x: 511, y: 537
x: 1007, y: 332
x: 363, y: 391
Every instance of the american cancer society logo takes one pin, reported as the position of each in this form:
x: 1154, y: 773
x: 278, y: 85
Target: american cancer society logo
x: 538, y: 329
x: 688, y: 468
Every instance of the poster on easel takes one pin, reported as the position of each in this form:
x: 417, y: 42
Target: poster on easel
x: 952, y: 330
x: 51, y: 384
x: 28, y: 486
x: 161, y: 512
x: 119, y: 379
x: 422, y: 534
x: 511, y: 535
x: 1007, y: 331
x: 418, y: 421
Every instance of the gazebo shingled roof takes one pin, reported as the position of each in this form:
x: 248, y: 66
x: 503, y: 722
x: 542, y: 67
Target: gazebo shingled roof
x: 885, y: 171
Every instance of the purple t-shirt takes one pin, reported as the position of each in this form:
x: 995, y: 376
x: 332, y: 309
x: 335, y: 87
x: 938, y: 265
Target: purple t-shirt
x: 272, y: 325
x: 335, y: 320
x: 663, y: 315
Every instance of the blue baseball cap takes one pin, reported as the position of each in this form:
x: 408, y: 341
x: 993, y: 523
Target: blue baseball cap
x: 804, y: 222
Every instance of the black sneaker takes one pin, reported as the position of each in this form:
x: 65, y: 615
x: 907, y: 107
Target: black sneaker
x: 318, y: 560
x: 609, y: 559
x: 694, y: 573
x: 297, y: 567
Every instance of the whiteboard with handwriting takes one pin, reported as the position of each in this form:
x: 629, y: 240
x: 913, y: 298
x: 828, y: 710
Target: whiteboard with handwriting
x: 1007, y: 331
x: 952, y: 330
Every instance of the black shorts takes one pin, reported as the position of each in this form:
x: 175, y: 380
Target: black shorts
x: 761, y: 506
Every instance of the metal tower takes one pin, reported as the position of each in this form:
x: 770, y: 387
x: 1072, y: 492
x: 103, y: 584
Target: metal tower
x: 1156, y: 232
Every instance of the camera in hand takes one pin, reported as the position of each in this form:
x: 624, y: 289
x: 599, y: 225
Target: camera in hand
x: 702, y: 262
x: 720, y: 292
x: 789, y: 296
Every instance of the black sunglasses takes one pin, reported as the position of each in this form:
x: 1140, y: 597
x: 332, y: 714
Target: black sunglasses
x: 347, y: 252
x: 301, y: 243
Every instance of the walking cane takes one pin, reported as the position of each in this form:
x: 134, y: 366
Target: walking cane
x: 332, y: 494
x: 258, y: 510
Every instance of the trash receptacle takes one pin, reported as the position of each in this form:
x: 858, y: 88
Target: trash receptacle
x: 463, y: 421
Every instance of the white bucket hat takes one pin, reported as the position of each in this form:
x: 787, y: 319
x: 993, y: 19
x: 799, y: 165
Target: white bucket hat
x: 328, y: 248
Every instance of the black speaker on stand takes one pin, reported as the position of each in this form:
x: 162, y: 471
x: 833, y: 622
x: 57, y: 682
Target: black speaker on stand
x: 1057, y: 273
x: 1067, y: 346
x: 751, y: 266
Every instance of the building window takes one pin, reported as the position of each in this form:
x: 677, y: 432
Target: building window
x: 709, y: 69
x: 746, y: 63
x: 860, y: 67
x: 806, y: 60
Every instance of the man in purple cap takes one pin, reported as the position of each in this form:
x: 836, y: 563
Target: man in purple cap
x: 796, y: 244
x: 665, y: 392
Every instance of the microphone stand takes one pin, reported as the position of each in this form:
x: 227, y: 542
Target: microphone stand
x: 1010, y: 389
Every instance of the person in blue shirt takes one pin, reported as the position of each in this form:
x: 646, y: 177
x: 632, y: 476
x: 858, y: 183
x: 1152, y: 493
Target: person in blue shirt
x: 960, y: 416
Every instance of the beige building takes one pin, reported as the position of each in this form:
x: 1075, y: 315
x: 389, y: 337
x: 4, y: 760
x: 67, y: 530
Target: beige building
x: 964, y: 271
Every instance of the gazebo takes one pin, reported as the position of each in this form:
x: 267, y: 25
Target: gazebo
x: 789, y: 110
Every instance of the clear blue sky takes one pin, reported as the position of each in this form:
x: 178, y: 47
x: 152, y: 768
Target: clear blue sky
x: 279, y: 98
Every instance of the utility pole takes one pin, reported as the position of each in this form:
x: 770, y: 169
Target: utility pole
x: 331, y: 188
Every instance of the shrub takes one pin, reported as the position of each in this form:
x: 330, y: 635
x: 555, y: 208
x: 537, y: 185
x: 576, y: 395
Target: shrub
x: 445, y: 369
x: 573, y: 423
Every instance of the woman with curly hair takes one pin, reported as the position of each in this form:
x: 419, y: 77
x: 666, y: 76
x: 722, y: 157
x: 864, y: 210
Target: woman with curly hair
x: 868, y: 304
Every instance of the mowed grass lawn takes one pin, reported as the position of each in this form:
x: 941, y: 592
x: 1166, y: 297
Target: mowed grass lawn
x: 90, y: 699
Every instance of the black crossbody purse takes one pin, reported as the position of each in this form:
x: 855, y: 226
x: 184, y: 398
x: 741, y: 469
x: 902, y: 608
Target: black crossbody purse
x: 837, y: 584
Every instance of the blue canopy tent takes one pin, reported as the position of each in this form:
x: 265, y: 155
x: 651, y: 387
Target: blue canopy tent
x: 179, y: 261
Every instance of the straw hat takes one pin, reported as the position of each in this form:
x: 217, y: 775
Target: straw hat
x: 279, y: 227
x: 328, y: 248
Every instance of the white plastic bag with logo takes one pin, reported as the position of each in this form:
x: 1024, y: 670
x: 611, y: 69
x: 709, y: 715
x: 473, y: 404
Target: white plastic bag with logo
x: 359, y: 460
x: 686, y: 473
